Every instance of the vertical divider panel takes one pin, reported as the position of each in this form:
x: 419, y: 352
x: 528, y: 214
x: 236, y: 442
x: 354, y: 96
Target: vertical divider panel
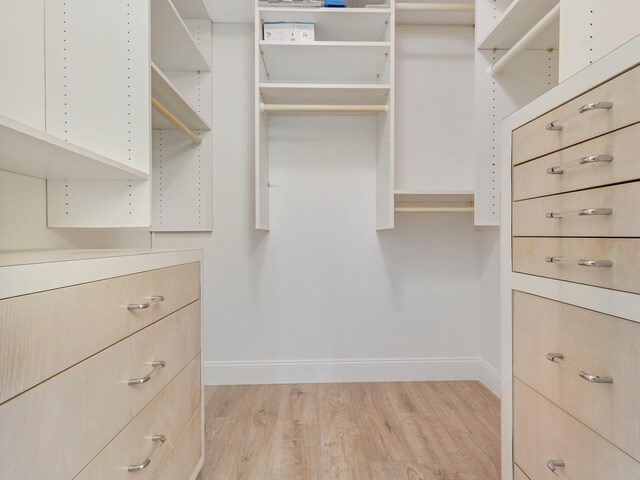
x: 262, y: 195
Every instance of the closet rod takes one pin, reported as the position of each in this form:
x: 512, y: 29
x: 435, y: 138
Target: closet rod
x: 542, y: 25
x: 437, y: 7
x: 162, y: 110
x: 434, y: 209
x: 282, y: 108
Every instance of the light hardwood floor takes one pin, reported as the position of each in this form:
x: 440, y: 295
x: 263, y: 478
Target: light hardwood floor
x: 357, y: 431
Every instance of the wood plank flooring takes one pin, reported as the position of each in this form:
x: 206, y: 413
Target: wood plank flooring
x: 357, y: 431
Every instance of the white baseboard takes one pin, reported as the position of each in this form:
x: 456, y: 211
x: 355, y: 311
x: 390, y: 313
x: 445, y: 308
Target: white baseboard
x: 352, y: 370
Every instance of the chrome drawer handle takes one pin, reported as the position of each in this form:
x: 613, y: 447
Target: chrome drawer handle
x: 553, y: 259
x: 583, y: 212
x: 595, y: 378
x: 559, y: 170
x: 557, y: 127
x: 147, y: 462
x: 553, y: 464
x: 156, y: 366
x: 143, y: 306
x: 596, y: 263
x: 553, y: 356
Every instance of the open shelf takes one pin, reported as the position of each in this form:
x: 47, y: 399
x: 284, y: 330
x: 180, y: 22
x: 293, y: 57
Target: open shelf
x: 172, y: 46
x: 163, y: 90
x: 191, y: 9
x: 325, y: 62
x: 435, y: 17
x: 323, y: 94
x: 29, y: 151
x: 434, y: 202
x: 517, y: 20
x: 336, y: 24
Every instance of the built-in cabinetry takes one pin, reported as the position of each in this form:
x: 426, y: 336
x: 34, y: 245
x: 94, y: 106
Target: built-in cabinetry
x: 101, y: 365
x: 570, y: 267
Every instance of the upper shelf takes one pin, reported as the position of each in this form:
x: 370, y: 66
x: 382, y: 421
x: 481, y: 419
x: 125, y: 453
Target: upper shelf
x: 29, y: 151
x: 517, y: 20
x: 434, y: 202
x: 421, y: 13
x: 322, y: 94
x: 336, y: 24
x: 172, y: 46
x: 163, y: 90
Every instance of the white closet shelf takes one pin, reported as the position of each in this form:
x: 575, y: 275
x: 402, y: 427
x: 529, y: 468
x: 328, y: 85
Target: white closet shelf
x: 163, y: 90
x: 191, y: 9
x: 29, y: 151
x: 517, y: 20
x: 459, y: 14
x: 323, y: 94
x: 173, y: 48
x: 356, y: 24
x: 407, y: 201
x: 325, y: 62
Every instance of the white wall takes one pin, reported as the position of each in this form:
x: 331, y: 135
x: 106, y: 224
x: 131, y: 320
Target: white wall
x: 323, y: 296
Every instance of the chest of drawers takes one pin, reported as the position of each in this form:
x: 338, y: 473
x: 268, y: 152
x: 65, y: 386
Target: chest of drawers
x: 100, y: 374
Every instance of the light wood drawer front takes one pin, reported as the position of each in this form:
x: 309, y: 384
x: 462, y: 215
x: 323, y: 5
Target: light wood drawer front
x: 532, y: 180
x: 53, y: 430
x: 590, y: 342
x: 529, y: 256
x: 543, y: 433
x: 44, y: 333
x: 534, y: 140
x: 518, y: 474
x: 181, y: 462
x: 601, y: 212
x: 167, y: 414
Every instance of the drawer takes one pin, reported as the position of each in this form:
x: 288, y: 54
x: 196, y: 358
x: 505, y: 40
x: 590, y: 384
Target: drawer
x: 166, y: 416
x: 82, y: 409
x: 544, y: 433
x: 532, y: 180
x: 182, y: 461
x: 534, y: 140
x: 601, y: 212
x: 530, y: 256
x: 518, y: 474
x: 45, y: 333
x: 590, y: 342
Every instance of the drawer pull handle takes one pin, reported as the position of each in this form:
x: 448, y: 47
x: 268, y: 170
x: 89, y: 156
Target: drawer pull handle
x: 596, y: 263
x: 553, y: 356
x: 595, y: 378
x: 556, y: 127
x: 143, y: 306
x: 553, y: 259
x: 559, y: 170
x: 553, y: 464
x: 147, y: 462
x: 584, y: 212
x: 156, y: 366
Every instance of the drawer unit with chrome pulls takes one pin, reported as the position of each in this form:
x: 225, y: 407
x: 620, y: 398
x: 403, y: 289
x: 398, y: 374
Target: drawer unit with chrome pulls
x: 602, y: 262
x: 45, y: 333
x: 76, y: 413
x: 583, y: 361
x: 550, y: 444
x: 606, y: 160
x: 610, y: 106
x: 142, y: 445
x: 600, y: 212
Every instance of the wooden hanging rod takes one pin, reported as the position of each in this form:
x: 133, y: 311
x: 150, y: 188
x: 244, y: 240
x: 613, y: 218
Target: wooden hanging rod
x: 162, y: 110
x: 437, y: 7
x: 434, y: 209
x: 282, y: 108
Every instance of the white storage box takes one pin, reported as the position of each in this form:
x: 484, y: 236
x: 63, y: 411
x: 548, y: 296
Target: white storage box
x: 289, y: 32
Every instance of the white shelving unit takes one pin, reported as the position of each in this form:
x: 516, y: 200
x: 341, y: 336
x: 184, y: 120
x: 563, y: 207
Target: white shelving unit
x: 318, y: 94
x: 434, y: 202
x: 423, y: 13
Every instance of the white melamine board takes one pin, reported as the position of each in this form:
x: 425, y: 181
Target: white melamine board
x: 385, y: 178
x: 98, y: 85
x: 336, y: 24
x: 326, y: 62
x: 182, y: 195
x: 235, y: 11
x: 322, y: 94
x: 262, y: 185
x: 30, y: 151
x: 163, y: 90
x: 422, y: 17
x: 434, y: 110
x: 520, y: 17
x: 191, y: 9
x: 22, y: 87
x: 173, y: 48
x: 98, y: 203
x: 433, y: 199
x: 590, y: 29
